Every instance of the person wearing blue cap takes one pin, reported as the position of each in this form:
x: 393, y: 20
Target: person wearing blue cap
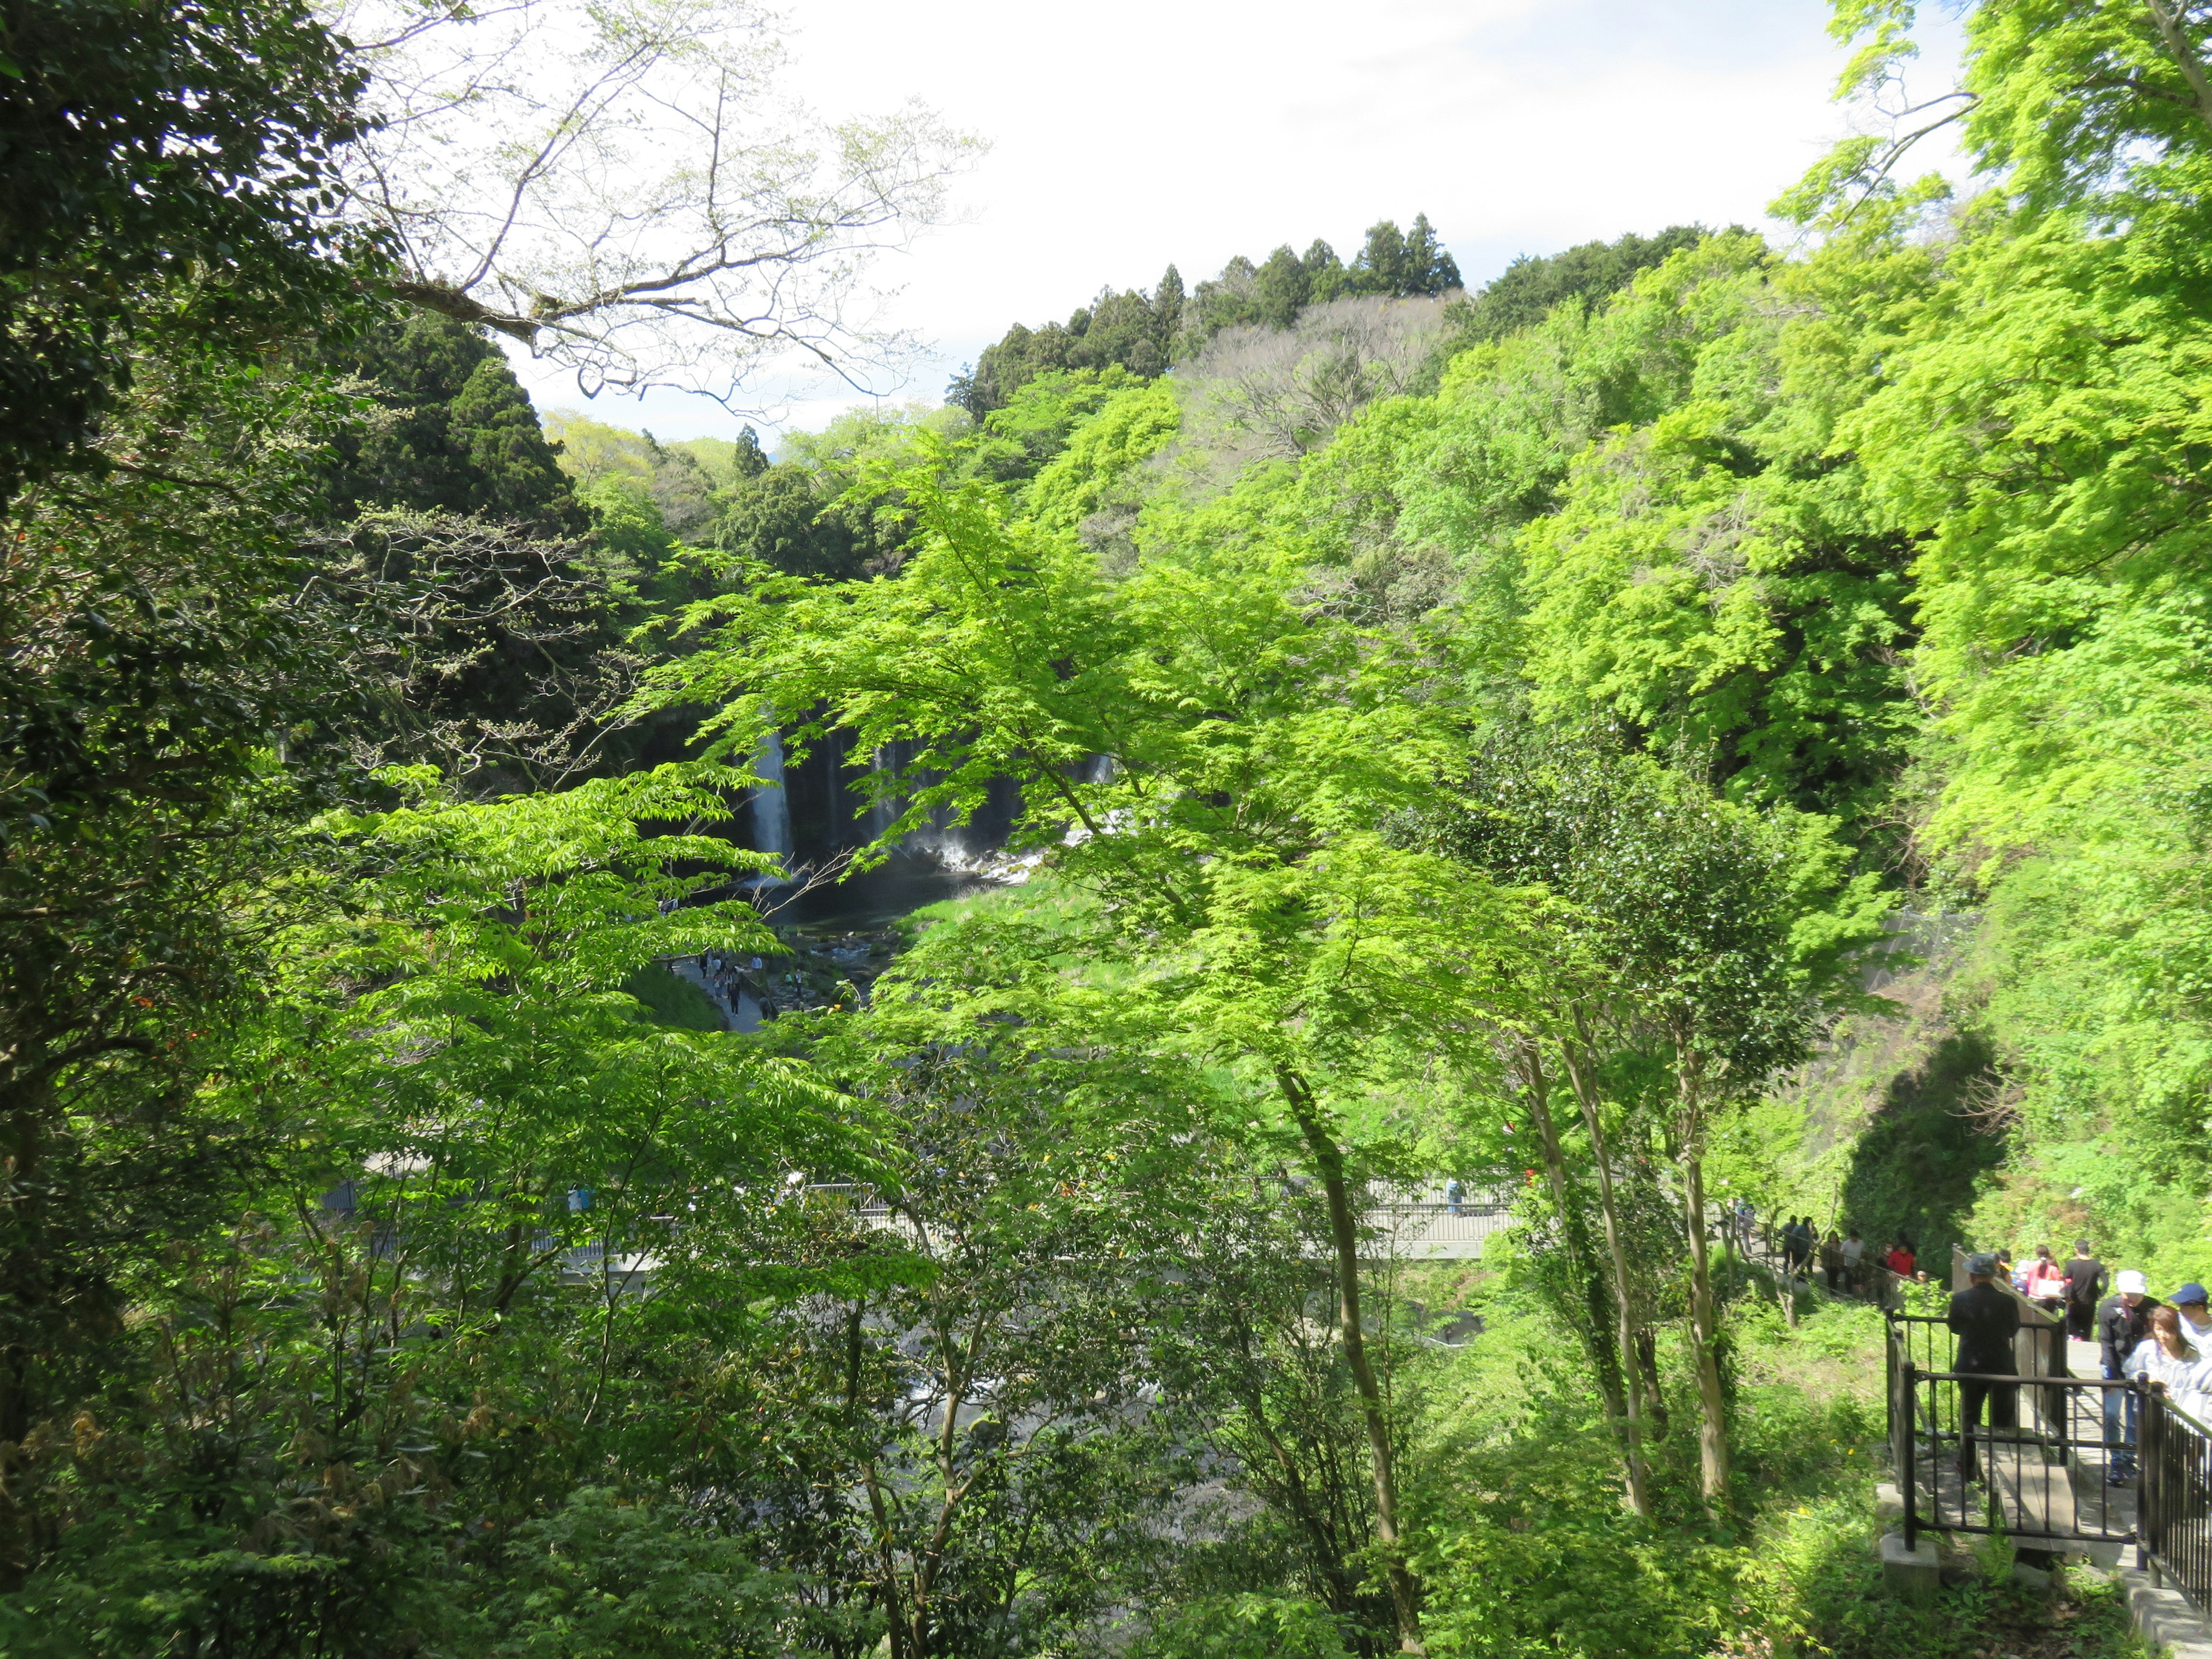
x: 2195, y: 1318
x: 1985, y: 1320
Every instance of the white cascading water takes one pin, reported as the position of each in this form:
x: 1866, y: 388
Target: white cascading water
x: 882, y: 812
x: 771, y: 809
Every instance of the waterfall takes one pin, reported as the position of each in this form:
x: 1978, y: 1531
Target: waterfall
x: 771, y: 807
x: 883, y: 812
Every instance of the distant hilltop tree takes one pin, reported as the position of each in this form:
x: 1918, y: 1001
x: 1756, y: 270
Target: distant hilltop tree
x: 1146, y: 333
x: 1131, y: 330
x: 1523, y: 293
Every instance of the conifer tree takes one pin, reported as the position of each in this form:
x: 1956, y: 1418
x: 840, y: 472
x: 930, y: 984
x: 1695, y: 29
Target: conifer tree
x: 1429, y: 268
x: 1381, y: 266
x: 458, y: 433
x: 750, y: 460
x: 517, y: 478
x: 1281, y: 289
x: 1325, y: 274
x: 1167, y: 311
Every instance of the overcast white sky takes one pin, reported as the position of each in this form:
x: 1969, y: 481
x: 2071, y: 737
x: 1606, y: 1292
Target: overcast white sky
x: 1127, y: 135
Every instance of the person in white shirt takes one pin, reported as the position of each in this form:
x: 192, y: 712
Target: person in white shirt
x: 1854, y: 1254
x: 2167, y: 1355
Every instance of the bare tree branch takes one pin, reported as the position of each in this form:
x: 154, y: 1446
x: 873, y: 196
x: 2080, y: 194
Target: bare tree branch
x: 2183, y: 50
x: 616, y: 184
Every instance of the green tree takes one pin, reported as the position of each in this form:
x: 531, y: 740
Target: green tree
x: 1094, y: 471
x: 780, y: 518
x: 1520, y: 296
x: 2036, y: 428
x: 1430, y: 268
x: 1709, y: 939
x: 1280, y: 288
x: 1167, y: 313
x: 1268, y: 922
x: 1007, y: 1459
x: 439, y: 1301
x: 453, y: 432
x: 166, y: 173
x: 158, y: 628
x: 1035, y: 424
x: 1381, y: 266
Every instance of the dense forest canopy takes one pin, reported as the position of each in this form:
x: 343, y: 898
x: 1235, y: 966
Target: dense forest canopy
x: 1690, y: 718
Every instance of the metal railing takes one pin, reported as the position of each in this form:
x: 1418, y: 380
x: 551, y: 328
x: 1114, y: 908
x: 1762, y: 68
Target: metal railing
x: 2050, y: 1460
x: 1398, y: 1223
x: 2176, y: 1527
x: 2032, y: 1458
x: 2030, y: 1451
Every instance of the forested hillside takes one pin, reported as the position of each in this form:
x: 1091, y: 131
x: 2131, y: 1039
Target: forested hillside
x: 1699, y: 715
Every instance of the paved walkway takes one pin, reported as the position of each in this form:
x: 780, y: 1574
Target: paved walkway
x: 2102, y: 1508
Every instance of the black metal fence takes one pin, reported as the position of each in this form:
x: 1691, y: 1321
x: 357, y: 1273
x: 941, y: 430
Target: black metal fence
x: 2032, y: 1458
x: 2177, y: 1486
x: 2052, y: 1461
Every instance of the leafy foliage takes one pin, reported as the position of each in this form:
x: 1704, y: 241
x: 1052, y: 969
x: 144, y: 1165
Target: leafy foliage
x: 166, y: 173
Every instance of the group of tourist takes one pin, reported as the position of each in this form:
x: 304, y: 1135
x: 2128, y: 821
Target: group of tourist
x: 2138, y: 1337
x: 1847, y: 1263
x: 731, y: 976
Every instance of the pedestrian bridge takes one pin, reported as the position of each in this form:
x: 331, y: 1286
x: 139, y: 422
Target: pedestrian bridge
x: 1402, y: 1223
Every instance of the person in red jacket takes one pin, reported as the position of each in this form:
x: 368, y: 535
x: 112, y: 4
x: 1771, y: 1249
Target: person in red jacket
x: 1899, y: 1260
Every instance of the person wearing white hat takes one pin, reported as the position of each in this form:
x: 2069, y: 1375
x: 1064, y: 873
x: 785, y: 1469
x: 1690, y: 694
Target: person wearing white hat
x: 2123, y: 1321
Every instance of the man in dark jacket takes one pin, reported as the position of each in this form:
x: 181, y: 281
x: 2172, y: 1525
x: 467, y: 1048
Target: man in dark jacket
x: 2123, y: 1320
x: 1985, y: 1320
x: 2085, y: 1282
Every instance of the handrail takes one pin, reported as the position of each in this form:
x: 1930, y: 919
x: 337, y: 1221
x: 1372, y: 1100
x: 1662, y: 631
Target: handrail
x: 2046, y: 1456
x: 2176, y: 1529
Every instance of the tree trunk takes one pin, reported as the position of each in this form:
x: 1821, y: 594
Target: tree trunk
x: 1705, y: 1314
x: 1328, y: 1160
x: 1574, y: 1235
x: 1655, y: 1397
x: 1585, y: 1088
x: 2168, y: 18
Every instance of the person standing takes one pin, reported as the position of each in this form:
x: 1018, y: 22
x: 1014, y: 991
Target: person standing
x: 1985, y: 1320
x: 2046, y: 1281
x: 2123, y: 1321
x: 2085, y: 1282
x: 1454, y: 1194
x: 2195, y: 1318
x: 2169, y: 1354
x: 1832, y: 1258
x: 1900, y: 1261
x: 1853, y: 1255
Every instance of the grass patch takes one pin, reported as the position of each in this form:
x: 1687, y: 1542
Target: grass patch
x: 670, y: 1000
